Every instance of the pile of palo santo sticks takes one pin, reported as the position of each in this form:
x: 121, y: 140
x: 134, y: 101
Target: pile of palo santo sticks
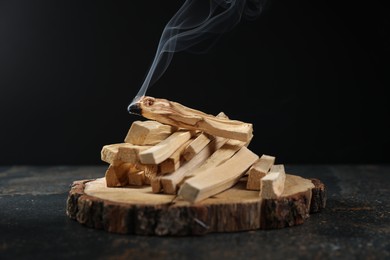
x: 189, y: 153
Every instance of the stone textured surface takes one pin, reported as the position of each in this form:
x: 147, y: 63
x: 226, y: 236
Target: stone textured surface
x: 354, y: 225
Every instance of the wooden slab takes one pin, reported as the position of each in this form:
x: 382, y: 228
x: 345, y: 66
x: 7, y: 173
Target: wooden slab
x: 129, y: 210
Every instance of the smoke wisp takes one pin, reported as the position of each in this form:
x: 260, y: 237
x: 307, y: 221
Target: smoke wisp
x: 194, y: 22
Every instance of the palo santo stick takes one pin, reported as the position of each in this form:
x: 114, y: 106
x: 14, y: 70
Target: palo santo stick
x: 164, y: 149
x: 169, y: 182
x: 258, y: 171
x: 116, y: 176
x: 272, y: 184
x: 218, y: 178
x: 200, y: 142
x: 150, y: 170
x: 116, y: 154
x: 147, y: 180
x: 148, y: 132
x: 130, y: 153
x: 172, y: 163
x: 219, y: 156
x: 172, y: 113
x: 169, y: 165
x: 136, y: 178
x: 109, y: 153
x: 196, y: 146
x: 156, y: 184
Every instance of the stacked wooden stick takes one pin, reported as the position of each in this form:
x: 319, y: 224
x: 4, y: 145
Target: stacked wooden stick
x: 189, y: 153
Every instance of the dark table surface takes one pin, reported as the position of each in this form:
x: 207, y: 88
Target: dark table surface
x: 354, y: 225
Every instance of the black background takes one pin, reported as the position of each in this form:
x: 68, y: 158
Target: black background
x: 311, y: 77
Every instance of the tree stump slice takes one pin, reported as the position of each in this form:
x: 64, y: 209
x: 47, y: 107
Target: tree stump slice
x: 136, y: 210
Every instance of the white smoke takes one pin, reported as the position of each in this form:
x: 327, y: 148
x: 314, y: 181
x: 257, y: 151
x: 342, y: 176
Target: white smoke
x: 194, y: 22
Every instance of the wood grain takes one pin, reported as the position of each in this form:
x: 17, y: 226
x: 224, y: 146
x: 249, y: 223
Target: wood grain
x: 175, y: 114
x: 139, y: 211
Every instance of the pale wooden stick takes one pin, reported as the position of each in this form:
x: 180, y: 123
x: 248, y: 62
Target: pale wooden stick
x: 172, y: 163
x: 109, y: 153
x: 272, y: 184
x: 130, y: 153
x: 164, y: 149
x: 150, y: 171
x: 117, y: 154
x: 156, y: 184
x: 219, y: 156
x: 196, y: 146
x: 130, y: 173
x: 169, y: 182
x: 258, y: 171
x: 200, y: 142
x: 172, y: 113
x: 169, y: 165
x: 136, y: 178
x: 148, y: 132
x: 116, y: 175
x: 219, y: 178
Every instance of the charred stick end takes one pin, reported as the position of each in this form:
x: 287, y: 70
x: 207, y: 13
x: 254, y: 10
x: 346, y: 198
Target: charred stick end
x: 135, y: 109
x: 138, y: 103
x: 135, y: 106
